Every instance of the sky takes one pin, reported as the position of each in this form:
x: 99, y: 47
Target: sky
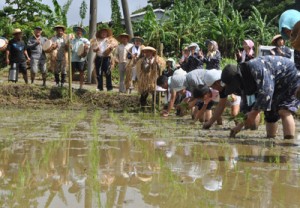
x: 103, y: 7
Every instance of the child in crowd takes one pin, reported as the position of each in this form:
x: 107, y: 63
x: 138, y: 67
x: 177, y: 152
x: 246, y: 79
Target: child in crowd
x: 171, y: 66
x: 207, y: 97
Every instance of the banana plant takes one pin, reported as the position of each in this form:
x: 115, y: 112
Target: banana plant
x: 60, y: 12
x: 261, y: 28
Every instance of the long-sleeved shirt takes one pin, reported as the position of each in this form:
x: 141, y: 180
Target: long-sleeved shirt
x: 214, y: 61
x: 121, y: 52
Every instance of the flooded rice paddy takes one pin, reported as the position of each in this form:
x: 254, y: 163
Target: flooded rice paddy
x: 54, y: 158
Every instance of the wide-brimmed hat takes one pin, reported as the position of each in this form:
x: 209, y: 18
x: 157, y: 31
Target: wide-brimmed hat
x: 211, y: 76
x: 193, y: 45
x: 137, y: 38
x: 16, y: 31
x: 124, y: 35
x: 149, y: 48
x: 109, y: 31
x: 230, y: 77
x: 275, y: 38
x: 75, y: 28
x: 59, y: 26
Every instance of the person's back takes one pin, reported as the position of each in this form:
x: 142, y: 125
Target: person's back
x: 194, y: 78
x: 274, y: 76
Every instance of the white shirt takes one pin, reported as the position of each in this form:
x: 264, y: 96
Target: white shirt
x: 122, y: 51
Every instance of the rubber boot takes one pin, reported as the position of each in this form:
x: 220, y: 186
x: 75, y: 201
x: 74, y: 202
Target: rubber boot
x: 44, y: 79
x: 63, y: 79
x: 32, y: 75
x: 56, y: 79
x: 25, y: 78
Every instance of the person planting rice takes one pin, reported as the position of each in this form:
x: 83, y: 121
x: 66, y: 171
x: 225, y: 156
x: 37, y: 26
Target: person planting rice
x: 269, y: 83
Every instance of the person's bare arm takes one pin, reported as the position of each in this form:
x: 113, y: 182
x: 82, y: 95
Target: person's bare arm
x: 171, y: 104
x: 7, y: 57
x: 200, y: 112
x: 26, y: 54
x: 217, y: 113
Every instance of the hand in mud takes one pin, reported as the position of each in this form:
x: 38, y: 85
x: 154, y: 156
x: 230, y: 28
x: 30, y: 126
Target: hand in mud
x: 165, y: 113
x: 207, y: 125
x: 234, y: 131
x: 251, y: 116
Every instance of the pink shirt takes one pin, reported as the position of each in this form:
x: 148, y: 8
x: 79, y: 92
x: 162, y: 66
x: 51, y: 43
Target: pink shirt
x: 214, y: 96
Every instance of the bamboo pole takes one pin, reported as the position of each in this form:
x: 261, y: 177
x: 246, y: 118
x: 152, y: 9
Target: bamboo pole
x: 70, y: 70
x: 160, y: 72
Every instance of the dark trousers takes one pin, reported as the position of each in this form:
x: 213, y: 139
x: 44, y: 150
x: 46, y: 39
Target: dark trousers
x: 103, y: 66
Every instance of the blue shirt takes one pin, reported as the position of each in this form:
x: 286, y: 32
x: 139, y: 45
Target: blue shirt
x: 76, y: 42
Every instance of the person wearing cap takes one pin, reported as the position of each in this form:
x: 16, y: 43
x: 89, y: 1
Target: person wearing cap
x: 38, y: 56
x: 133, y: 56
x: 78, y: 62
x: 248, y: 52
x: 289, y: 25
x: 188, y: 82
x: 148, y: 69
x: 213, y: 58
x: 193, y: 61
x: 164, y: 82
x: 103, y: 60
x: 213, y: 79
x: 269, y: 83
x: 171, y: 67
x: 121, y: 57
x: 280, y: 48
x: 16, y: 54
x: 60, y: 55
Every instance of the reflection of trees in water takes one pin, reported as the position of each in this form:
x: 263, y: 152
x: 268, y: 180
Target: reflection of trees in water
x: 111, y: 171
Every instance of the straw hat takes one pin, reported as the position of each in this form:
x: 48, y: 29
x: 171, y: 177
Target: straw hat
x: 75, y: 28
x: 123, y: 35
x: 274, y: 39
x: 149, y: 48
x: 16, y: 31
x: 59, y: 26
x: 137, y: 38
x: 295, y: 36
x: 109, y: 31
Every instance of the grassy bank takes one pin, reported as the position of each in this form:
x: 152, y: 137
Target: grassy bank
x: 22, y: 95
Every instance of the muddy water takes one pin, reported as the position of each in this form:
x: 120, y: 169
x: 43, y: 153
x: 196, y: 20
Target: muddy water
x: 52, y: 158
